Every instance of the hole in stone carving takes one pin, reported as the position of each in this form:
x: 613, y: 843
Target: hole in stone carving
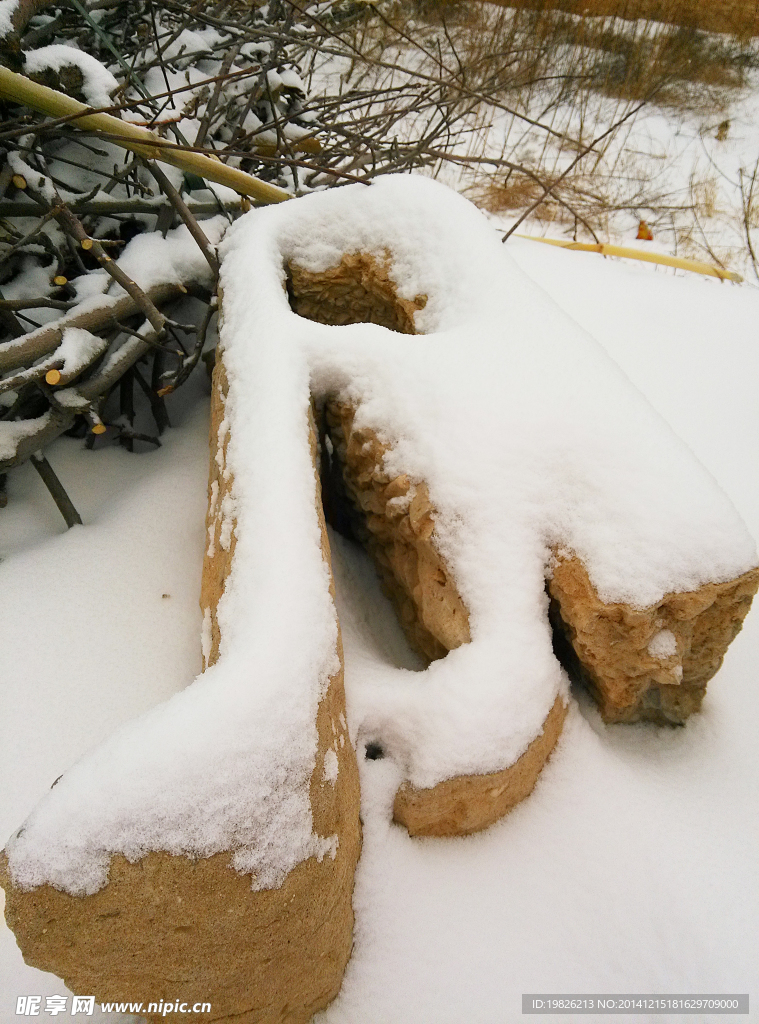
x: 562, y: 646
x: 581, y: 686
x: 355, y: 491
x: 339, y: 511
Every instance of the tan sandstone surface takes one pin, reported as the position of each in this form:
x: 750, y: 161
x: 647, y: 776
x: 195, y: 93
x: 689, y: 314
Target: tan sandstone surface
x: 395, y: 520
x: 358, y: 290
x: 169, y: 927
x: 604, y: 645
x: 611, y: 643
x: 469, y: 803
x: 398, y: 531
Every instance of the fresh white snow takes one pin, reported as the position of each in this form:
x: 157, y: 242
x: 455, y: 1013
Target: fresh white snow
x: 149, y: 260
x: 631, y: 867
x: 531, y: 440
x: 663, y: 644
x: 8, y: 9
x: 98, y: 82
x: 529, y: 437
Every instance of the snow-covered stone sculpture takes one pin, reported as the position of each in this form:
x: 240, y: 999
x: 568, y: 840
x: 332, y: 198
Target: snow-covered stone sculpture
x: 505, y: 476
x: 204, y: 855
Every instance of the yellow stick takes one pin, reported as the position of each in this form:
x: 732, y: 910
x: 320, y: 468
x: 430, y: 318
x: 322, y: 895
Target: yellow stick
x: 696, y: 266
x: 139, y: 140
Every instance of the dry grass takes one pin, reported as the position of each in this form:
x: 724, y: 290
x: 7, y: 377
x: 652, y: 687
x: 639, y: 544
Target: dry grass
x: 696, y: 70
x: 530, y: 109
x: 516, y: 192
x: 601, y: 45
x: 735, y: 17
x: 574, y: 76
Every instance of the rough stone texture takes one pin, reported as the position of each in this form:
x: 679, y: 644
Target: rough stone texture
x: 356, y: 291
x: 169, y: 927
x: 395, y: 521
x: 606, y: 645
x: 392, y: 517
x: 609, y: 643
x: 216, y: 566
x: 396, y: 526
x: 469, y: 803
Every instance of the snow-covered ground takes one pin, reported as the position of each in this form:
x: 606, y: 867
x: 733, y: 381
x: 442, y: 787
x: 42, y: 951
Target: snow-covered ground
x: 686, y: 169
x: 631, y: 868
